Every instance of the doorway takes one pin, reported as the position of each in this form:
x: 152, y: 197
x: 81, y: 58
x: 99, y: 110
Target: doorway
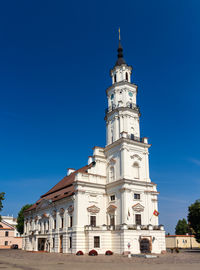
x: 61, y: 244
x: 41, y: 244
x: 145, y: 246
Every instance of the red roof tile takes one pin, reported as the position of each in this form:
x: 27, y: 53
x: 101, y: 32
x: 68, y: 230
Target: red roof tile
x: 62, y: 189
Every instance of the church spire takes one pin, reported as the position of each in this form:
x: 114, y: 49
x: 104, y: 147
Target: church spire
x: 120, y: 60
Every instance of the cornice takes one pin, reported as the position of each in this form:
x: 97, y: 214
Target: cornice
x: 122, y: 83
x: 130, y: 182
x: 125, y: 140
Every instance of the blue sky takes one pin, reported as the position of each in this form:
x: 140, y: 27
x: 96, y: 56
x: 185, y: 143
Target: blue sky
x: 55, y: 58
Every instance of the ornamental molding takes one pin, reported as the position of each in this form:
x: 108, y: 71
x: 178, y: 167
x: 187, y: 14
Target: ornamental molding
x: 62, y: 211
x: 45, y: 215
x: 111, y: 208
x: 112, y: 161
x: 136, y: 157
x: 138, y: 207
x: 93, y: 209
x: 70, y: 209
x: 54, y: 213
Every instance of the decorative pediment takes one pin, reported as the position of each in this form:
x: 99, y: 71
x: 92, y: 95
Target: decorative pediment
x: 70, y: 209
x: 54, y: 213
x: 136, y: 157
x: 45, y: 215
x: 112, y: 161
x: 138, y: 207
x: 93, y: 209
x: 43, y: 204
x: 62, y: 211
x: 111, y: 208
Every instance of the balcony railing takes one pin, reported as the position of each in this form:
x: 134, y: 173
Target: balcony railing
x: 128, y: 105
x: 135, y: 138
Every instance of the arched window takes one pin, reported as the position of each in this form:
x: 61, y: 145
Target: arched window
x: 115, y: 78
x: 136, y: 170
x: 112, y: 174
x: 6, y: 233
x: 127, y: 76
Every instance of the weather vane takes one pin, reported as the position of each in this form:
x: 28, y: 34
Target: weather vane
x: 119, y: 34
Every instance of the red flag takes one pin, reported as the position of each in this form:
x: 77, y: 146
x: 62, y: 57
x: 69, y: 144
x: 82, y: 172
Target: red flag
x: 156, y: 213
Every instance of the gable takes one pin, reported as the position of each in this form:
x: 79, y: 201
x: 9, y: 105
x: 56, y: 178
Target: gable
x: 5, y: 226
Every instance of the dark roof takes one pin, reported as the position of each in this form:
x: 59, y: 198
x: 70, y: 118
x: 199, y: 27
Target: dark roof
x: 62, y: 189
x: 120, y: 60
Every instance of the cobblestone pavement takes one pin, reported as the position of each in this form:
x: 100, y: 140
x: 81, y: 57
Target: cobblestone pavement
x: 18, y: 259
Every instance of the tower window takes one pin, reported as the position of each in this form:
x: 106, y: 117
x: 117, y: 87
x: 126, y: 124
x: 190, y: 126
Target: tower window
x: 112, y: 197
x: 138, y: 219
x: 136, y: 170
x: 126, y: 76
x: 112, y: 174
x: 115, y: 78
x: 136, y: 196
x: 93, y: 221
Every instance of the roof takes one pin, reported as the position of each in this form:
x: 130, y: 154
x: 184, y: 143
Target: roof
x: 120, y: 60
x: 63, y: 189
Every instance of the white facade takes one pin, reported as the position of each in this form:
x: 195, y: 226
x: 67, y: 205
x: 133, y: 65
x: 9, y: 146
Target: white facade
x: 109, y: 204
x: 13, y: 222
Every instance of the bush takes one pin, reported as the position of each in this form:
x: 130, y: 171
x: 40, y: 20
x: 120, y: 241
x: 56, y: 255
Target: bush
x: 93, y: 252
x: 109, y: 252
x: 177, y: 250
x: 78, y: 253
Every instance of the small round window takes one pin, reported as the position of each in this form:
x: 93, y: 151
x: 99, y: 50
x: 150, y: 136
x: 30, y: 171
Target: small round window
x: 130, y: 94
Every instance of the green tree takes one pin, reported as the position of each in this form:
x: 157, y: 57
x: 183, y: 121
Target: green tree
x: 20, y: 218
x: 2, y: 194
x: 194, y: 219
x: 182, y: 227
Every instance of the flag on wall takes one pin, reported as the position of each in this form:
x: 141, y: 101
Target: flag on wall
x: 156, y: 213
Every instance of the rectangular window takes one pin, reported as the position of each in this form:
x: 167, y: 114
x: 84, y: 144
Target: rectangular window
x: 96, y: 242
x: 6, y: 243
x: 138, y: 219
x: 93, y: 221
x: 6, y: 233
x: 136, y: 196
x: 112, y: 220
x: 112, y: 197
x: 70, y: 242
x: 71, y: 221
x: 54, y: 223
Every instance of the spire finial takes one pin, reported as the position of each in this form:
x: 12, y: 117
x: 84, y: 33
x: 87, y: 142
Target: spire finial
x: 119, y: 34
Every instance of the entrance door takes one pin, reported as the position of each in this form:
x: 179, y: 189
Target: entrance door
x: 41, y: 244
x: 61, y: 244
x: 145, y: 246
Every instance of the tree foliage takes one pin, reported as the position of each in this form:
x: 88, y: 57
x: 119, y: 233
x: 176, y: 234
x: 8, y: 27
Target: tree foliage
x: 20, y: 218
x: 182, y: 227
x: 2, y: 197
x: 194, y: 218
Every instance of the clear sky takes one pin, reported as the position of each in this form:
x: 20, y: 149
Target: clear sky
x: 55, y: 58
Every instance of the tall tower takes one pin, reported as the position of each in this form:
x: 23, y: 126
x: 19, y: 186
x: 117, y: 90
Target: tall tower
x: 126, y: 152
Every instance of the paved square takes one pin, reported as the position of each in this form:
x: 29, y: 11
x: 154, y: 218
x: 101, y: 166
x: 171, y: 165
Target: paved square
x: 18, y: 259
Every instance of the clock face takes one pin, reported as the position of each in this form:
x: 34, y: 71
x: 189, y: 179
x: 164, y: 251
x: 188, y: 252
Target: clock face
x: 130, y: 94
x: 112, y: 96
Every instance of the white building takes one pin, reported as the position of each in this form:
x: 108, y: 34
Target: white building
x: 13, y: 222
x: 109, y: 203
